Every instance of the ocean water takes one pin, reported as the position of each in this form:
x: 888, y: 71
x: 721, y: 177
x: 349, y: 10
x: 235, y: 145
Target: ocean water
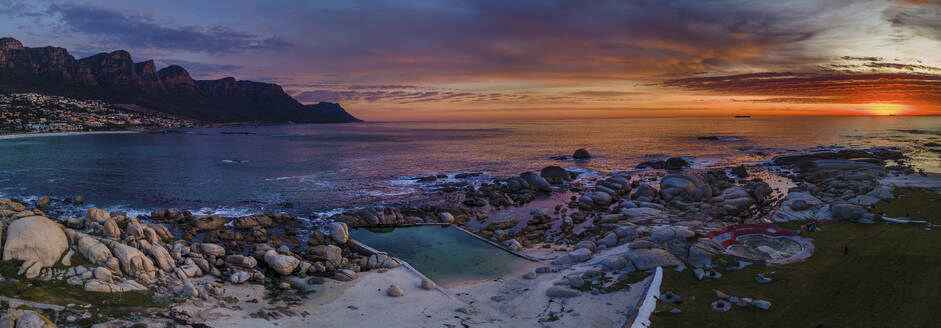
x: 318, y: 168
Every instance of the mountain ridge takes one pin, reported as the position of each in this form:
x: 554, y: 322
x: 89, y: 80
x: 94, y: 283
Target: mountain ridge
x: 116, y: 78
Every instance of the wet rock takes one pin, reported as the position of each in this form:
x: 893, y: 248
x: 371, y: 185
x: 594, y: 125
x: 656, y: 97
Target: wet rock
x: 555, y: 174
x: 581, y: 153
x: 251, y: 221
x: 536, y: 182
x: 75, y: 223
x: 679, y: 185
x: 562, y: 292
x: 78, y: 200
x: 35, y: 240
x: 43, y: 202
x: 209, y: 222
x: 740, y: 171
x: 284, y: 286
x: 644, y: 193
x: 601, y: 198
x: 676, y: 164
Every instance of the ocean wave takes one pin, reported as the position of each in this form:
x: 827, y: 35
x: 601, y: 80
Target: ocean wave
x: 234, y: 161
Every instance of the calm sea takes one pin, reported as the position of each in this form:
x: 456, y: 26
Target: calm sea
x: 315, y: 168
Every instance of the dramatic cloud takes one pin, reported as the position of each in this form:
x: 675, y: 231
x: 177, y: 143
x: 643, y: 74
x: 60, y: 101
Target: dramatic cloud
x: 404, y: 97
x: 416, y: 59
x: 144, y: 31
x: 823, y: 88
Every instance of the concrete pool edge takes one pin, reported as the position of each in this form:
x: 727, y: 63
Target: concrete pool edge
x: 363, y: 248
x: 492, y: 243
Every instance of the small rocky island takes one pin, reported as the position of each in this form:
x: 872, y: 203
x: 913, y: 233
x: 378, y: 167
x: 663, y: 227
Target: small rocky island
x: 595, y: 249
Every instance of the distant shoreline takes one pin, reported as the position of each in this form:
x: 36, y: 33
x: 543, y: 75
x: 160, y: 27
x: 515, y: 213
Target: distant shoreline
x: 59, y: 134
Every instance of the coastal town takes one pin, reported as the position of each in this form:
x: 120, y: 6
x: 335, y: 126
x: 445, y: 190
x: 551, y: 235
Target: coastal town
x: 38, y: 113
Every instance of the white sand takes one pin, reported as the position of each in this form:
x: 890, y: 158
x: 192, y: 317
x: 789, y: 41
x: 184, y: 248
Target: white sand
x: 364, y: 303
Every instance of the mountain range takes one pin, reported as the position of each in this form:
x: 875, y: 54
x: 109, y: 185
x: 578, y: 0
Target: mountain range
x: 116, y: 78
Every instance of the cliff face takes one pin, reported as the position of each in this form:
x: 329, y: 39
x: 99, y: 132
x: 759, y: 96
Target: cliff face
x: 116, y: 78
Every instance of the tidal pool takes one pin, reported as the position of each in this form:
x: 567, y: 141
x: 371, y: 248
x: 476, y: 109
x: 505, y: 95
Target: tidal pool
x: 442, y: 253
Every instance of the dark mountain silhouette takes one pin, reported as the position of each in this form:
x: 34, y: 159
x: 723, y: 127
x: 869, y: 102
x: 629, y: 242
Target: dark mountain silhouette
x: 116, y: 78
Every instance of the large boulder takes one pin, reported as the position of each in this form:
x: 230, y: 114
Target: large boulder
x: 702, y: 252
x: 644, y: 193
x: 92, y: 249
x: 676, y: 164
x: 797, y: 206
x: 133, y: 262
x: 162, y: 257
x: 340, y: 232
x: 97, y: 215
x: 668, y: 233
x: 43, y: 202
x: 331, y: 253
x: 562, y: 292
x: 37, y: 241
x: 642, y: 213
x: 675, y: 185
x: 555, y: 174
x: 847, y: 211
x: 650, y: 258
x: 536, y: 182
x: 581, y: 153
x: 209, y: 222
x: 576, y: 256
x: 283, y: 264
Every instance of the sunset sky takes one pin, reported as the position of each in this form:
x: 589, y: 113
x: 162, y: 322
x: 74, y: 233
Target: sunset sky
x: 442, y: 60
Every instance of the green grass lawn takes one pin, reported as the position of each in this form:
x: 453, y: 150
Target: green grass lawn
x: 891, y: 277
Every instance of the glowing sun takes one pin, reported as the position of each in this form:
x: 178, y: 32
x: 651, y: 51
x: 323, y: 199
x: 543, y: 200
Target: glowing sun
x: 886, y: 108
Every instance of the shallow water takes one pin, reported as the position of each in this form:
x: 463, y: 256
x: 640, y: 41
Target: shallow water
x: 442, y: 253
x: 312, y: 168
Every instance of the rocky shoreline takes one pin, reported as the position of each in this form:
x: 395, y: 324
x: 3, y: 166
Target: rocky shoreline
x: 595, y: 240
